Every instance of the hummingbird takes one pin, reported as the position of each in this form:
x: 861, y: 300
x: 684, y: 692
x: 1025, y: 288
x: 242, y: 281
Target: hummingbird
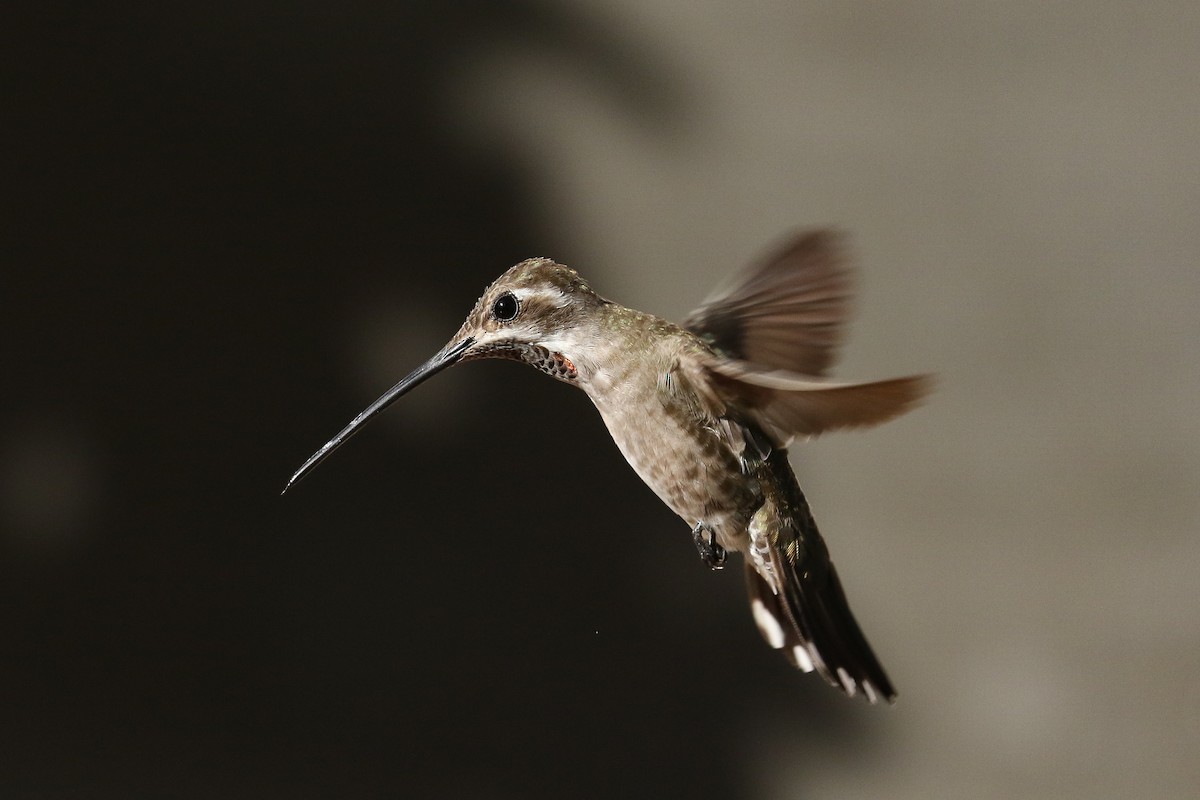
x: 704, y: 413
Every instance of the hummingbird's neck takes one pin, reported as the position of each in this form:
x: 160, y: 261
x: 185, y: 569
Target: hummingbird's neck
x: 610, y: 345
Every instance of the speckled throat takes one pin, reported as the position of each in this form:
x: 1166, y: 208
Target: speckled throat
x: 543, y: 359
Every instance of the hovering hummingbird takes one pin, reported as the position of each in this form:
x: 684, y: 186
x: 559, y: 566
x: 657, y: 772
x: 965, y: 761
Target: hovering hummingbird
x: 703, y: 412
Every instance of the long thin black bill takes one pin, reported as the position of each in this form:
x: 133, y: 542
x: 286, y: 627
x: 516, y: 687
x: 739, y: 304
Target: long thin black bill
x: 433, y: 366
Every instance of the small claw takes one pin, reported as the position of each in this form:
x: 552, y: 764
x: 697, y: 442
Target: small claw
x: 710, y: 552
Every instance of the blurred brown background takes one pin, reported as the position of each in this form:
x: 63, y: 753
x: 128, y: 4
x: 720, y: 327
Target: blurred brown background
x: 228, y: 228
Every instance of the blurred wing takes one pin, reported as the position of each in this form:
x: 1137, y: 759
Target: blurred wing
x: 784, y: 404
x: 787, y: 311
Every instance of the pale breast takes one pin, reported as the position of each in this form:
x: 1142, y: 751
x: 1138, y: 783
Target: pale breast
x: 686, y: 461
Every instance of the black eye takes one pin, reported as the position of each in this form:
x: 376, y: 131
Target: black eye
x: 505, y: 308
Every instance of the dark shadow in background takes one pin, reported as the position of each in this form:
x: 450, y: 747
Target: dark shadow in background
x: 191, y: 199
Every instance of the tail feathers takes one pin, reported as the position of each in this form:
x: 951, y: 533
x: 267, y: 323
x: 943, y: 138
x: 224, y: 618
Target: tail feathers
x: 810, y: 621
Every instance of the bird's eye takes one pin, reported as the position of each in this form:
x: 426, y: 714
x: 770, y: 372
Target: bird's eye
x: 505, y: 308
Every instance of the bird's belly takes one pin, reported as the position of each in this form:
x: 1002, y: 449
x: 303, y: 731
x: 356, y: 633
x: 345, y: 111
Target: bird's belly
x: 693, y: 471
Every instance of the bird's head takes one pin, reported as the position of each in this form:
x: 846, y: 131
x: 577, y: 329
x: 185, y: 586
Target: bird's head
x: 536, y: 312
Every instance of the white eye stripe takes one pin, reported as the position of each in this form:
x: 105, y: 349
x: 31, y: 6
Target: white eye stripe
x: 552, y: 297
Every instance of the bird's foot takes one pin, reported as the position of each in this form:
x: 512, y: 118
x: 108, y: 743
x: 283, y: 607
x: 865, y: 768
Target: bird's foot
x: 706, y: 542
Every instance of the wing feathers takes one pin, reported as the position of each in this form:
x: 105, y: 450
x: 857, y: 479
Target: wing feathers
x: 785, y: 404
x: 786, y: 311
